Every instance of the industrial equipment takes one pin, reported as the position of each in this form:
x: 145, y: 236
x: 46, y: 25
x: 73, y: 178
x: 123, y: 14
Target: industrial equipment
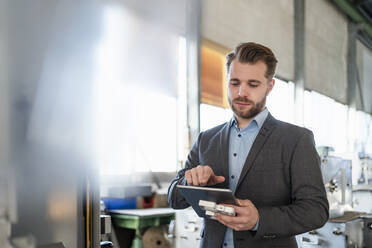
x: 366, y: 169
x: 346, y: 227
x: 188, y: 229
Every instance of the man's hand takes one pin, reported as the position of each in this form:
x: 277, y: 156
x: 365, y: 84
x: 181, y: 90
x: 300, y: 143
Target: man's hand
x: 202, y: 175
x: 246, y: 216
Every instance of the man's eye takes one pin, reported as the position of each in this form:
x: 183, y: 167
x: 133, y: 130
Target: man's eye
x: 253, y: 85
x: 234, y: 83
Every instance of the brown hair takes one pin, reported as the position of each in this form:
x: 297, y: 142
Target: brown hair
x: 251, y: 52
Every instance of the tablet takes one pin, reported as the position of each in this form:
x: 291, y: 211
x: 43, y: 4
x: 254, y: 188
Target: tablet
x: 194, y: 194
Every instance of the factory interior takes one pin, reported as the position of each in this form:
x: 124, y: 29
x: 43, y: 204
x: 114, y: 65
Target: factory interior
x: 101, y: 102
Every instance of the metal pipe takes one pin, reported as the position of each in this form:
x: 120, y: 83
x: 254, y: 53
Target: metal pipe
x: 354, y: 14
x: 343, y: 186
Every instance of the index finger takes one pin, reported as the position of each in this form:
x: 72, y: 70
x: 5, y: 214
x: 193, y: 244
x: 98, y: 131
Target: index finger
x: 239, y: 210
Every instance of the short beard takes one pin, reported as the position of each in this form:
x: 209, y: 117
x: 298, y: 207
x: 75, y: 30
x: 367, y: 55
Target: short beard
x: 252, y: 112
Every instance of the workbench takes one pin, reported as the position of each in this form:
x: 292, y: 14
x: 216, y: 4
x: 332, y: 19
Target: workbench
x: 139, y: 219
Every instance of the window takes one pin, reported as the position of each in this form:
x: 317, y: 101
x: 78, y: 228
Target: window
x: 135, y: 96
x: 327, y: 119
x: 280, y: 102
x: 213, y: 74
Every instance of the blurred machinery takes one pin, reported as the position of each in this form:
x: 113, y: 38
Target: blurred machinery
x: 346, y: 226
x: 366, y: 169
x: 149, y: 226
x: 186, y: 229
x: 362, y: 192
x: 338, y: 183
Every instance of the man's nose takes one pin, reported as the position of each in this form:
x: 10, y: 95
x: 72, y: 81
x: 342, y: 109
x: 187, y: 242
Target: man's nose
x: 243, y: 90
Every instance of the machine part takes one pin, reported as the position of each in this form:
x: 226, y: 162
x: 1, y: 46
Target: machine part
x: 105, y: 224
x: 207, y: 205
x: 225, y: 210
x: 362, y: 197
x: 343, y: 186
x: 212, y: 208
x: 366, y: 170
x: 171, y: 229
x: 332, y: 186
x: 354, y: 233
x: 369, y: 225
x: 337, y: 231
x: 324, y: 151
x: 156, y: 237
x: 337, y: 178
x: 106, y: 244
x: 310, y: 240
x: 188, y: 229
x: 362, y: 178
x: 211, y: 214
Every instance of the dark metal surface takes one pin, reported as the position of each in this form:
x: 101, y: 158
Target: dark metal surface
x: 365, y: 8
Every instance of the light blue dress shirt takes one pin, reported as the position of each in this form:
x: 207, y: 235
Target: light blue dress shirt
x: 240, y: 143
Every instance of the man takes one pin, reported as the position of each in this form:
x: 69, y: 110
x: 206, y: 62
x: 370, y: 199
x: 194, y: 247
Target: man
x: 271, y: 166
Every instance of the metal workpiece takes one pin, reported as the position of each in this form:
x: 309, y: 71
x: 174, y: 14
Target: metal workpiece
x: 105, y: 224
x: 337, y: 180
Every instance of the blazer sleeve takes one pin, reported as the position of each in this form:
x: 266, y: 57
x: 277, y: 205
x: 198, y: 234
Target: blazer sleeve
x: 309, y: 205
x: 175, y: 199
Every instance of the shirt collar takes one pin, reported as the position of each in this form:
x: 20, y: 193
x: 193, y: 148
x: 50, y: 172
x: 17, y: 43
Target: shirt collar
x: 259, y: 119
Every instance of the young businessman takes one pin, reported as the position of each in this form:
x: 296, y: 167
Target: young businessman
x: 271, y: 166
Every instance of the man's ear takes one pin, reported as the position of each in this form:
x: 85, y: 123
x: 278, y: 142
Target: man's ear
x: 271, y: 84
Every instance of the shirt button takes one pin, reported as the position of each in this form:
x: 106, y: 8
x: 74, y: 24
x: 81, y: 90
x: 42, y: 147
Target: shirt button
x: 239, y: 135
x: 235, y: 154
x: 232, y: 176
x: 224, y: 244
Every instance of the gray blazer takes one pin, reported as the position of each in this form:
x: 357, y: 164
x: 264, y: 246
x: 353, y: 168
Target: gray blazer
x: 281, y: 176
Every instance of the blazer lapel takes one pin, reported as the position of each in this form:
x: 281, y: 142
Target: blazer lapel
x: 224, y: 144
x: 260, y: 140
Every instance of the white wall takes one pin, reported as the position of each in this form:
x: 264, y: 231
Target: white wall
x: 264, y: 21
x: 325, y: 49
